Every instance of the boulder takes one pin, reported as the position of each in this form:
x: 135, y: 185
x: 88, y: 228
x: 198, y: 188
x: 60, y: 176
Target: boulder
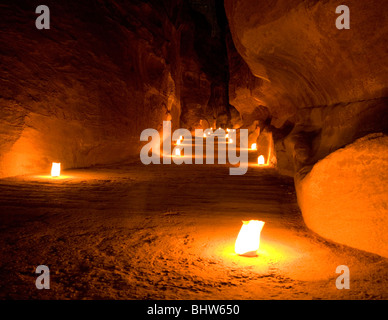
x: 344, y: 197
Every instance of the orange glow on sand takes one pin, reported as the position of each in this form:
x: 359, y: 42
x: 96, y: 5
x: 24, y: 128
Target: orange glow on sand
x: 248, y: 239
x: 56, y: 169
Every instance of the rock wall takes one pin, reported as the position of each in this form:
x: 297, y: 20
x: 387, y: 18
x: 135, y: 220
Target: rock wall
x: 317, y: 89
x: 82, y: 92
x: 299, y: 66
x: 204, y: 95
x: 344, y: 197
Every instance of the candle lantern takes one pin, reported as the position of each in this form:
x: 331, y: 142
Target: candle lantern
x: 248, y: 239
x: 55, y: 169
x: 260, y: 160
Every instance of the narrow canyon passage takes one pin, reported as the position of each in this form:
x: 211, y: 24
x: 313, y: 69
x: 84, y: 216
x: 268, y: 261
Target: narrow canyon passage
x: 99, y: 89
x: 168, y: 232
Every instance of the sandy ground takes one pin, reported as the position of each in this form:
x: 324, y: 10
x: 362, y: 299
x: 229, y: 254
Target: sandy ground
x: 168, y: 232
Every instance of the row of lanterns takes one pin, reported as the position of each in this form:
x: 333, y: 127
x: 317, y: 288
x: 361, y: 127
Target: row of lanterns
x: 248, y: 239
x: 260, y: 159
x: 230, y: 140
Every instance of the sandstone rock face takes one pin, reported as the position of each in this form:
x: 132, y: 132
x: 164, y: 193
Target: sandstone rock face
x: 322, y: 89
x: 204, y: 95
x: 303, y: 59
x: 82, y: 92
x: 344, y: 197
x: 299, y: 66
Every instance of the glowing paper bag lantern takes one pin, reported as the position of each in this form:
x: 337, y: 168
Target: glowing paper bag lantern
x: 248, y: 240
x: 55, y: 169
x: 254, y: 146
x: 260, y: 160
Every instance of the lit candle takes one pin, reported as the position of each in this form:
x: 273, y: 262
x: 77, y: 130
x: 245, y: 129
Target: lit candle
x: 260, y: 160
x: 248, y: 239
x: 55, y: 169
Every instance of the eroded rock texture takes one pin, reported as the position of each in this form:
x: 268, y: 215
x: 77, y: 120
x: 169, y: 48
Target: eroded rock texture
x: 82, y: 92
x: 344, y: 197
x: 317, y: 89
x: 304, y: 70
x: 204, y: 95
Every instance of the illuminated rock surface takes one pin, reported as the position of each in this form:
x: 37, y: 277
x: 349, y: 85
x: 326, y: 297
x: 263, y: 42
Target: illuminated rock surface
x: 303, y: 74
x: 82, y: 92
x: 344, y: 197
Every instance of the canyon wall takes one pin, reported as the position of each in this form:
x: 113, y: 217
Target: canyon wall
x: 81, y: 92
x: 317, y: 89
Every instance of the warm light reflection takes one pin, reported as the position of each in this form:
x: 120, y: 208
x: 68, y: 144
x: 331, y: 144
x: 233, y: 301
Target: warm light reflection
x: 45, y: 177
x: 55, y: 169
x: 178, y: 142
x: 254, y: 146
x: 230, y: 140
x: 260, y: 160
x: 177, y: 151
x: 248, y: 239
